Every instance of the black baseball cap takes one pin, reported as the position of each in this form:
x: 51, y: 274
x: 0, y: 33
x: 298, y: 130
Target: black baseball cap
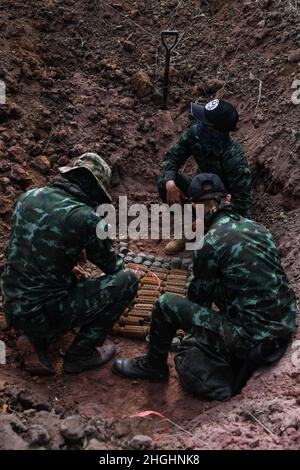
x: 220, y: 114
x: 204, y: 184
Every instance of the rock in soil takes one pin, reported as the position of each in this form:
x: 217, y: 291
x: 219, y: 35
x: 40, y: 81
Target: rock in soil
x: 72, y: 429
x: 39, y: 435
x: 94, y: 444
x: 141, y: 442
x: 9, y: 439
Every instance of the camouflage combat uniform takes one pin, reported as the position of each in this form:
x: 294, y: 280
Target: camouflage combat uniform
x: 214, y: 152
x: 239, y: 270
x: 51, y: 227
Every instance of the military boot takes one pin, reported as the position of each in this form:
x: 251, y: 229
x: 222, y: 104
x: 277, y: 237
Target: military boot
x: 139, y: 368
x: 75, y: 363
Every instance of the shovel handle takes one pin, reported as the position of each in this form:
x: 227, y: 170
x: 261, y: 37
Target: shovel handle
x: 167, y: 33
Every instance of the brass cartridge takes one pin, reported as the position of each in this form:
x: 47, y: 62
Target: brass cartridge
x: 151, y: 287
x: 131, y: 331
x: 145, y: 315
x: 149, y: 281
x: 146, y: 307
x: 162, y: 276
x: 175, y: 283
x: 116, y: 329
x: 157, y: 270
x: 176, y: 290
x: 132, y: 320
x: 148, y: 293
x: 178, y: 271
x: 176, y: 277
x: 145, y: 300
x: 135, y: 331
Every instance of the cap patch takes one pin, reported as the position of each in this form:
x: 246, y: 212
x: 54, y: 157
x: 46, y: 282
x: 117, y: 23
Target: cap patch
x: 212, y: 105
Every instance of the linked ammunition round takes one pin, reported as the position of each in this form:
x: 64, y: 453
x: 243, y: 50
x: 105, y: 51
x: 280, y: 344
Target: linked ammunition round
x: 175, y: 283
x: 145, y: 300
x: 148, y: 293
x: 131, y: 320
x: 175, y: 290
x: 142, y: 307
x: 176, y: 278
x: 140, y: 314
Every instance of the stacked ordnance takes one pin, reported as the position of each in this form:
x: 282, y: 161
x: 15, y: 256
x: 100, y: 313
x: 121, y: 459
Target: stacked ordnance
x: 135, y: 320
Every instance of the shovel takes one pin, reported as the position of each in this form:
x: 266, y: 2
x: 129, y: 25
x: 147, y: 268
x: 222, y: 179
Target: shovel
x: 169, y: 46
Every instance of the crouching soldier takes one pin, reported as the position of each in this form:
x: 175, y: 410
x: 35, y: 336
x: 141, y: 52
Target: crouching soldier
x: 215, y: 151
x: 51, y: 227
x: 239, y: 270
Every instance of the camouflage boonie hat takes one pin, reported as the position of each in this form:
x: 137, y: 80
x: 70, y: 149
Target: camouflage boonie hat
x: 96, y: 166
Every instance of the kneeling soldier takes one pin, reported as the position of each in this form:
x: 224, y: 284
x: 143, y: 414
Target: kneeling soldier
x: 51, y: 227
x: 239, y: 270
x: 214, y: 151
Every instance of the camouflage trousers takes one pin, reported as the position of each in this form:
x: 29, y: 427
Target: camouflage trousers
x: 94, y: 305
x: 211, y: 330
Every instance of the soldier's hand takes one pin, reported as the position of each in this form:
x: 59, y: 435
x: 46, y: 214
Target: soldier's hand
x: 173, y: 193
x: 80, y: 273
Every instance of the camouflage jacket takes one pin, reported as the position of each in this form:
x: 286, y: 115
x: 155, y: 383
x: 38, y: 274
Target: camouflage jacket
x: 51, y: 227
x: 214, y: 152
x: 239, y: 269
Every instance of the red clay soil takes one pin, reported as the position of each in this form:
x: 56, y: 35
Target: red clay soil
x: 86, y: 76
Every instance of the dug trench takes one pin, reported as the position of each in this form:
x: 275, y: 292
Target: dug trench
x: 87, y: 75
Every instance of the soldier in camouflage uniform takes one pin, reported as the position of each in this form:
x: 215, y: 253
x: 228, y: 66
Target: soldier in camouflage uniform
x: 51, y: 228
x: 239, y: 270
x: 215, y: 151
